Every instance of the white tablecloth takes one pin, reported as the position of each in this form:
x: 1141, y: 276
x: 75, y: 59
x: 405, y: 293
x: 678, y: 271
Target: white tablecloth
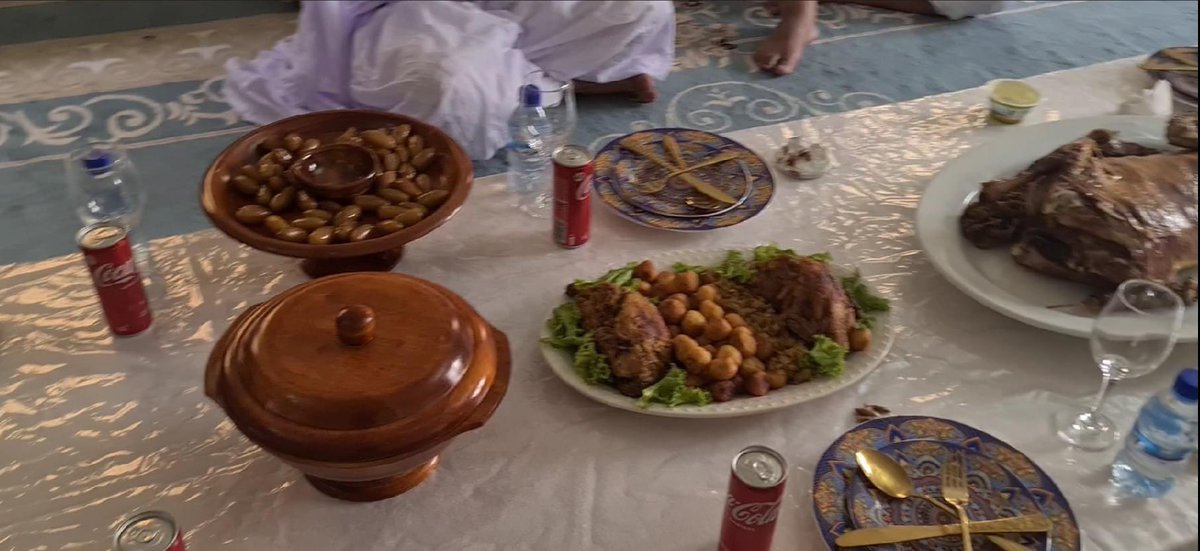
x: 92, y: 428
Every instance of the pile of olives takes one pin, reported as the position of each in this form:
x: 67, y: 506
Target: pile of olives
x: 402, y: 194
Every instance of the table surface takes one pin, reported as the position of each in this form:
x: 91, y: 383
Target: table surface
x: 93, y: 428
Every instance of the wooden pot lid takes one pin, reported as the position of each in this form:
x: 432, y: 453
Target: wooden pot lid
x: 356, y: 366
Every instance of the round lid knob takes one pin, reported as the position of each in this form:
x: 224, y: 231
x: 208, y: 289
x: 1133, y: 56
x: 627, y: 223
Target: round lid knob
x: 356, y: 325
x: 357, y: 351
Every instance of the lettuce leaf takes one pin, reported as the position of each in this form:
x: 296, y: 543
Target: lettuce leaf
x: 826, y: 358
x: 671, y: 391
x: 680, y: 267
x: 621, y: 277
x: 565, y: 325
x: 591, y: 365
x: 867, y: 303
x: 822, y: 257
x: 735, y: 268
x: 763, y: 253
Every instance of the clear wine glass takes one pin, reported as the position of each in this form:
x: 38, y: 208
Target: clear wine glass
x: 1130, y: 338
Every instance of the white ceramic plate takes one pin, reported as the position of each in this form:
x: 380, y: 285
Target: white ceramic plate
x: 991, y: 276
x: 858, y: 365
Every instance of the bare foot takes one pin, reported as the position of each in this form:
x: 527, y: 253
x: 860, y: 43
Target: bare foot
x: 781, y: 52
x: 639, y: 88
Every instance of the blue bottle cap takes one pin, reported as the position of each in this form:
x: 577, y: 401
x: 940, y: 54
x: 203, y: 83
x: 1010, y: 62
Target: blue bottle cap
x: 531, y: 96
x: 1185, y: 385
x: 98, y: 162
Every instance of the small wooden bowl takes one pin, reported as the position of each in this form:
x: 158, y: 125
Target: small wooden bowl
x: 358, y: 167
x: 219, y: 199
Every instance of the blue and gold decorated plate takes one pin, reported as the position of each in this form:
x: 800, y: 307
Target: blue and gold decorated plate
x: 623, y: 180
x: 836, y: 473
x: 995, y: 493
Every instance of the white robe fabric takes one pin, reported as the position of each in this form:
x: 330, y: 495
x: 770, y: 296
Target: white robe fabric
x: 456, y: 65
x: 958, y: 9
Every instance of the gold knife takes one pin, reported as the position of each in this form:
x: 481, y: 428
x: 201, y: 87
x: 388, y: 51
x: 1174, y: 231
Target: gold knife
x: 897, y: 534
x: 700, y: 185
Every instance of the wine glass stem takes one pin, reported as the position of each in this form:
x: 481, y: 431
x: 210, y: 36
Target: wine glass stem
x: 1105, y: 383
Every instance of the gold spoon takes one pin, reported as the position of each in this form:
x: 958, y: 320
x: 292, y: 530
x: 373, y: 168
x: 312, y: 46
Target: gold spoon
x: 891, y: 478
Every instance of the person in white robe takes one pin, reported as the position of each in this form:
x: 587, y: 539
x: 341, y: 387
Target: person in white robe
x: 780, y: 53
x: 456, y: 65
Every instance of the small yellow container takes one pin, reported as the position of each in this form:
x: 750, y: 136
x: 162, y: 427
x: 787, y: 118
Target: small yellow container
x: 1012, y: 100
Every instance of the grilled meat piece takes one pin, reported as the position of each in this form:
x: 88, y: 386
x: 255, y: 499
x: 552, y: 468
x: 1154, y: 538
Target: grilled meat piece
x: 629, y: 331
x: 1181, y: 131
x: 808, y: 297
x: 1098, y: 211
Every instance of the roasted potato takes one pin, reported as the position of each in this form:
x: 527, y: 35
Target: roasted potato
x: 756, y: 384
x: 711, y: 310
x: 717, y: 330
x: 722, y: 369
x: 707, y: 292
x: 743, y: 340
x: 672, y: 310
x: 693, y: 323
x: 645, y: 271
x: 729, y: 352
x: 735, y: 320
x: 860, y: 338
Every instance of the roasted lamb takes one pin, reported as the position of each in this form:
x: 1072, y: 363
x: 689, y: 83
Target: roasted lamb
x: 1098, y: 211
x: 628, y: 330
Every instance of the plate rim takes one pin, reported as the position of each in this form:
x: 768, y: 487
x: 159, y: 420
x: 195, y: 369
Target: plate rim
x: 1051, y: 485
x: 883, y: 336
x: 973, y: 284
x: 624, y: 216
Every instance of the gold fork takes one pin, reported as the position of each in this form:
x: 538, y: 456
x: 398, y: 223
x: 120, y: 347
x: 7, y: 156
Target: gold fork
x: 956, y: 492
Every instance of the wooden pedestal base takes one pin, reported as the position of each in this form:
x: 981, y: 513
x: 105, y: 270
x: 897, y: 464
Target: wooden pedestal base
x: 377, y: 262
x: 375, y: 490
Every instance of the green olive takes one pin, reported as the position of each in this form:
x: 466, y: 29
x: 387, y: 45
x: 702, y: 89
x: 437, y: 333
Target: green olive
x: 309, y: 222
x: 434, y: 199
x: 349, y: 213
x: 331, y: 206
x: 342, y: 231
x: 251, y: 214
x: 304, y: 201
x: 292, y: 142
x: 410, y: 187
x: 411, y: 214
x: 283, y: 200
x: 388, y: 226
x: 390, y: 161
x: 392, y: 196
x: 270, y: 143
x: 245, y: 184
x: 293, y: 234
x: 415, y: 144
x: 309, y: 145
x: 379, y: 138
x: 318, y: 213
x: 268, y: 169
x: 276, y: 184
x: 321, y: 236
x: 401, y: 132
x: 276, y: 223
x: 389, y: 211
x: 406, y: 172
x: 282, y: 156
x: 385, y: 180
x: 423, y: 183
x: 264, y: 195
x: 421, y: 160
x: 369, y: 203
x: 362, y: 233
x: 250, y: 171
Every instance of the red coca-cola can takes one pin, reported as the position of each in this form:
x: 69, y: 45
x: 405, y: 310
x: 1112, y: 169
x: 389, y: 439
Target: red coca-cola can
x: 109, y: 258
x: 756, y: 484
x: 572, y: 196
x: 149, y: 531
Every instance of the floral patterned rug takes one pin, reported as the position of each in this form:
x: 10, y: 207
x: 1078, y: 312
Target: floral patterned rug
x: 159, y: 90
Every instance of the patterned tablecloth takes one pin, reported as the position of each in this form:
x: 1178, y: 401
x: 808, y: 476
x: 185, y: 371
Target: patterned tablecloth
x: 92, y: 428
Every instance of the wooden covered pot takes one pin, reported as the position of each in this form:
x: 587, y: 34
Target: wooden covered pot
x: 360, y: 380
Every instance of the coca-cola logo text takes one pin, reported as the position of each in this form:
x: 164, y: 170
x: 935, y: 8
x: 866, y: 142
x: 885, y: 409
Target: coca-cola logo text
x: 752, y: 515
x: 584, y: 182
x: 115, y: 275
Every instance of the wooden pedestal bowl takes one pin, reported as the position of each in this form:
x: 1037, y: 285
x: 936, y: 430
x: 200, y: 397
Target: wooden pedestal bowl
x: 220, y: 200
x: 360, y: 380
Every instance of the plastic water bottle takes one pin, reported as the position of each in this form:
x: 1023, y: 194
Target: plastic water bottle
x: 530, y: 135
x: 105, y: 187
x: 1161, y: 441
